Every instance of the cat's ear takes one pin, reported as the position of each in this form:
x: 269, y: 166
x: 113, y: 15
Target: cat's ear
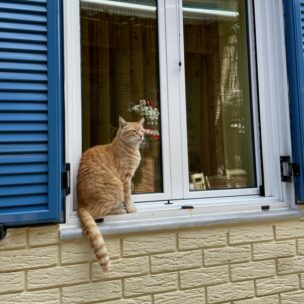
x: 122, y: 122
x: 141, y: 121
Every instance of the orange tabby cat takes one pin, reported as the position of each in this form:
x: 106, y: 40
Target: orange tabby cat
x: 104, y: 182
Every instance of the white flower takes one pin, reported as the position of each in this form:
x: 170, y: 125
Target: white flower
x: 148, y: 112
x: 151, y: 132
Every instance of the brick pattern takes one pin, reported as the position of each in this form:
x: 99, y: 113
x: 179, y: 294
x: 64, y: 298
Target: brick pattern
x: 239, y: 264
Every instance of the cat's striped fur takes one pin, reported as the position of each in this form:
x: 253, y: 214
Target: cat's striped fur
x: 104, y: 182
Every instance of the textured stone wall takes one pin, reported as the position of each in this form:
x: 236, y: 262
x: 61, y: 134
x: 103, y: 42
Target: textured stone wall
x: 240, y: 264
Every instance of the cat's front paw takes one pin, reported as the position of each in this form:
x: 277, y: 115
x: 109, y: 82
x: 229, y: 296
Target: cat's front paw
x: 131, y: 209
x: 119, y: 211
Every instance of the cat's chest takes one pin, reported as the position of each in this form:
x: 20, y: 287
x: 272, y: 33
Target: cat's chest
x: 129, y: 166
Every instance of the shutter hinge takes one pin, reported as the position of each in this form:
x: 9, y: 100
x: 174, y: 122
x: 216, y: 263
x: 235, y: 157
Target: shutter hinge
x: 3, y: 231
x: 288, y: 169
x: 66, y: 179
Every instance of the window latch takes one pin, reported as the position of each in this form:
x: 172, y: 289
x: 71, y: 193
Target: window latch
x: 288, y: 169
x: 66, y: 179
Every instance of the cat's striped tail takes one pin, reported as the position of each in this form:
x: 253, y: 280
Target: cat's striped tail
x: 95, y: 238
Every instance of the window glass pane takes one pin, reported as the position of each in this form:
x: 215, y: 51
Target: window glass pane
x: 219, y: 119
x: 120, y: 76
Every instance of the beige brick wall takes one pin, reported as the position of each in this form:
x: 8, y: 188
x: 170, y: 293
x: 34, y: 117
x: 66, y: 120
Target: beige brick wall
x: 239, y: 264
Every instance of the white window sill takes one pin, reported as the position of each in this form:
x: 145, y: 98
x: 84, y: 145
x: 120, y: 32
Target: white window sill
x: 173, y: 217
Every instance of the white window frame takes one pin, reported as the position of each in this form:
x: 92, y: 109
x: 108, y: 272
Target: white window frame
x: 184, y: 173
x: 273, y: 102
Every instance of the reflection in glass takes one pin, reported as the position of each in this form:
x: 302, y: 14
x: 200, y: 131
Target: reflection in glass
x: 219, y: 122
x: 119, y: 54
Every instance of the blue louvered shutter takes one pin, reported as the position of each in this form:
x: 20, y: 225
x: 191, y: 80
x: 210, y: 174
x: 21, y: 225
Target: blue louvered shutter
x: 31, y: 156
x: 294, y: 28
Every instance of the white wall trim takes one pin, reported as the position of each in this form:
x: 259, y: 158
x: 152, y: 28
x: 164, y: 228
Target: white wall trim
x: 72, y: 87
x: 273, y: 95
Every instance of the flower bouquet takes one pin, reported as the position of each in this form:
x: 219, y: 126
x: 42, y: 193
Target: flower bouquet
x: 145, y: 108
x: 146, y: 176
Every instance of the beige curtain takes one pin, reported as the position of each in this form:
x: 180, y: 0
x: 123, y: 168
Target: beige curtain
x: 218, y: 103
x: 119, y: 67
x: 202, y: 56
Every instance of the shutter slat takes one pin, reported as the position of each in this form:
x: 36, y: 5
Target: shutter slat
x: 22, y: 107
x: 30, y: 18
x: 23, y: 169
x: 29, y: 1
x: 22, y: 127
x: 9, y: 86
x: 23, y: 27
x: 14, y: 190
x: 25, y: 47
x: 11, y: 6
x: 28, y: 201
x: 24, y: 97
x: 23, y: 179
x: 17, y: 56
x: 16, y: 117
x: 24, y: 77
x: 7, y: 36
x: 31, y: 157
x: 28, y: 210
x: 24, y: 87
x: 17, y: 66
x: 19, y: 148
x: 23, y: 137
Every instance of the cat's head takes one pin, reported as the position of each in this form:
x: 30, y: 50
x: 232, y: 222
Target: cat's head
x: 131, y: 132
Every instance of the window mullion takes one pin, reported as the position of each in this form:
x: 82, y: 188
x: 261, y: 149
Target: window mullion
x: 182, y: 85
x: 174, y: 98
